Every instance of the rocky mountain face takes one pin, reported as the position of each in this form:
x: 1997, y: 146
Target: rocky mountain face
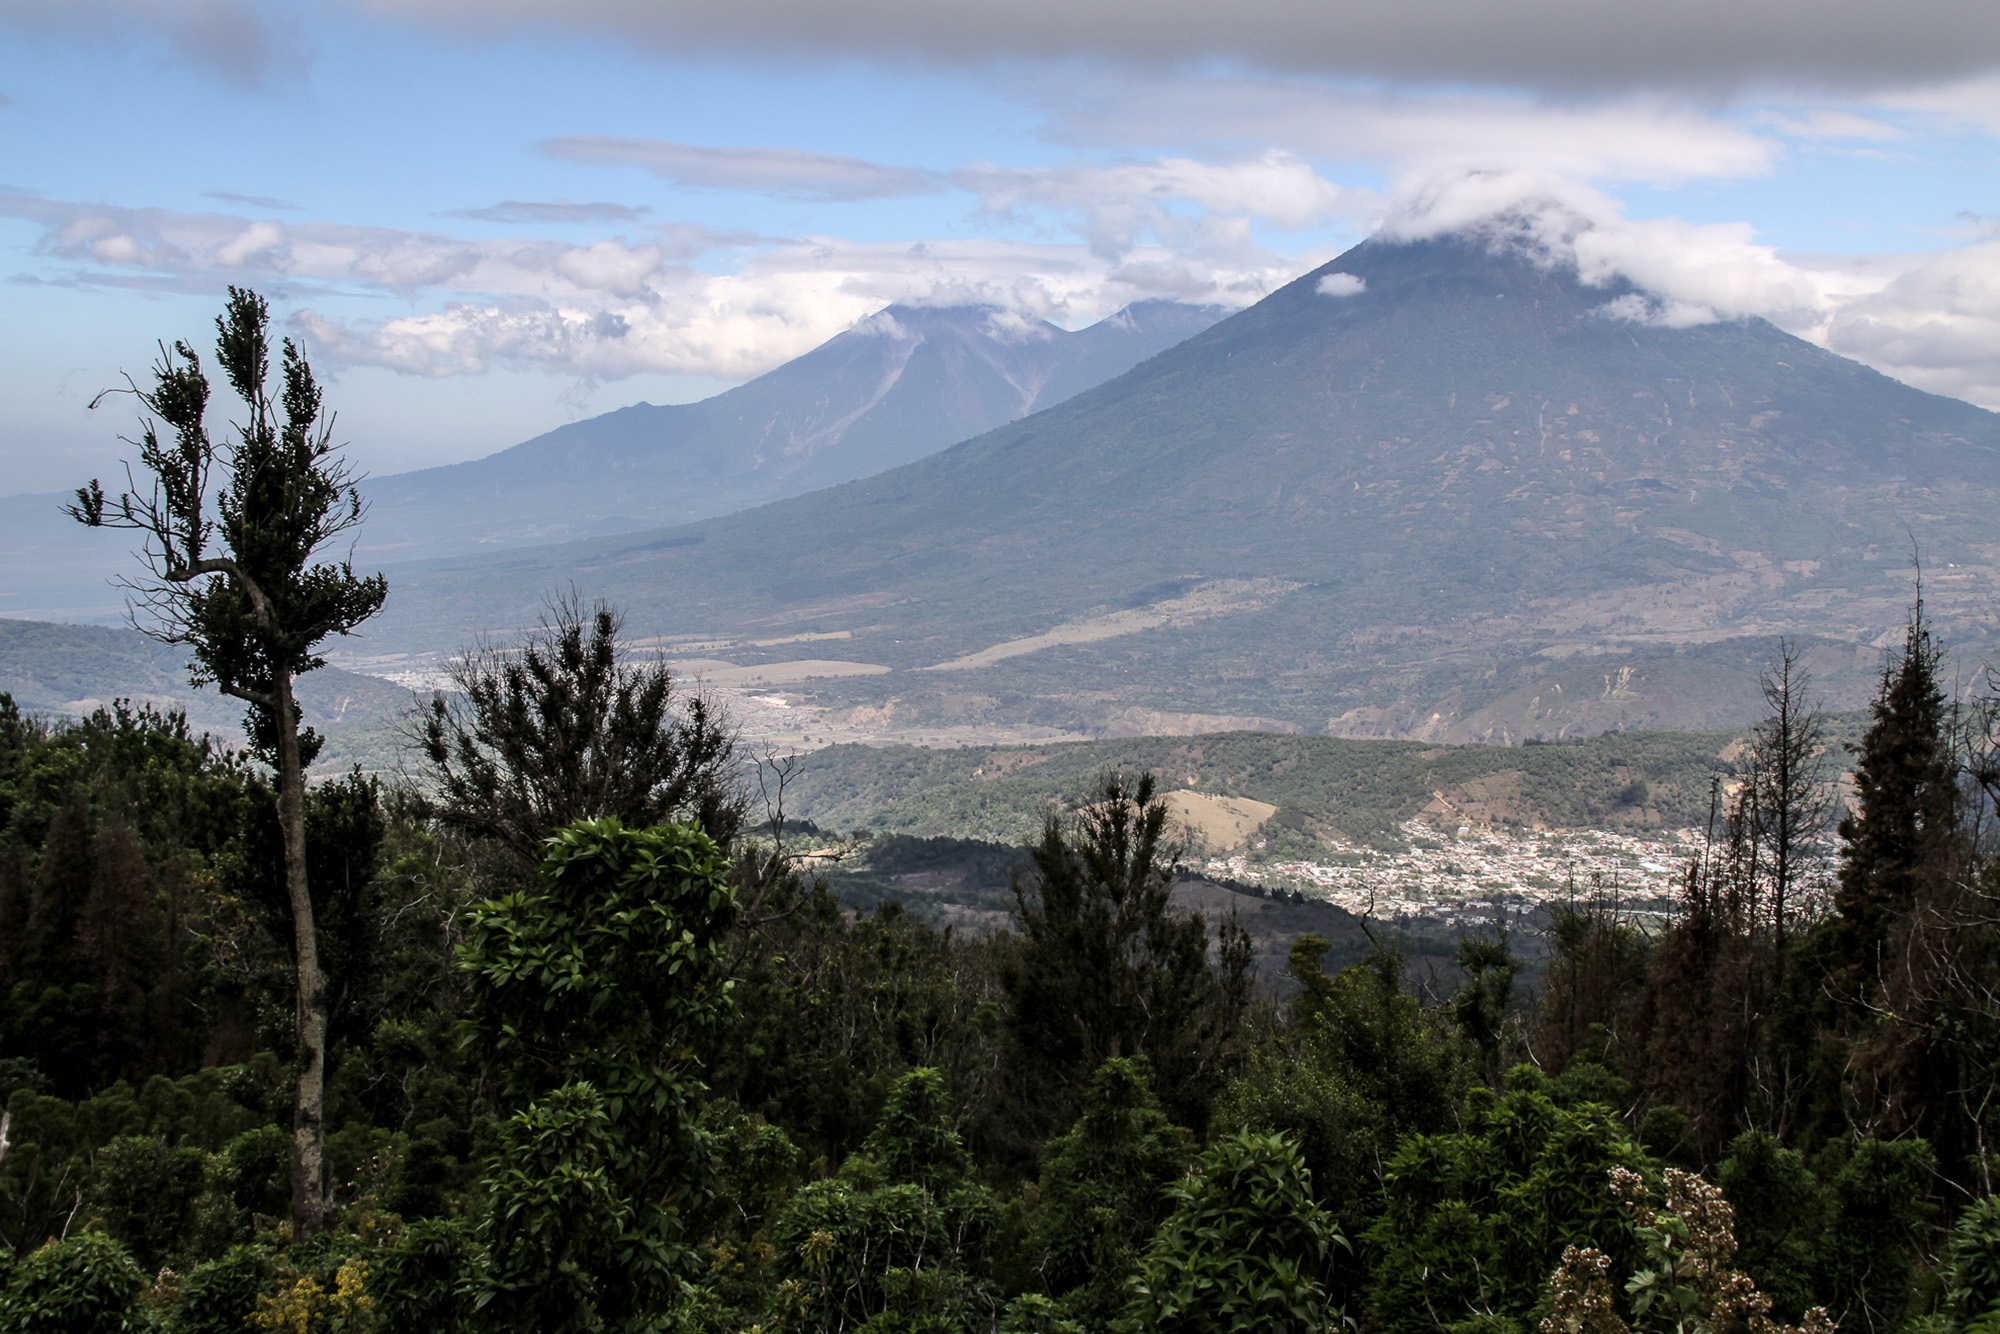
x: 1434, y: 489
x: 904, y: 383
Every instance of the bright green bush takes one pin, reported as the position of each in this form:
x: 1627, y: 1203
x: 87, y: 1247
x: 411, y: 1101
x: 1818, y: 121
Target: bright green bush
x: 559, y: 1218
x: 427, y: 1279
x: 899, y: 1239
x: 218, y: 1297
x: 1972, y: 1262
x: 1361, y: 1065
x: 1245, y: 1250
x: 1035, y: 1314
x: 1877, y: 1213
x: 144, y: 1195
x: 589, y: 996
x: 85, y: 1284
x: 1103, y: 1191
x: 1780, y: 1215
x: 1474, y: 1222
x: 260, y: 1171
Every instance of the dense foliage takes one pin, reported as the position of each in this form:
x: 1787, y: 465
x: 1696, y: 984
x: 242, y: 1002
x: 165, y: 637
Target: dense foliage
x: 662, y: 1079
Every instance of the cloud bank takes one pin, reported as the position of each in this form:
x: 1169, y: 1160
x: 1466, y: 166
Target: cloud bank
x: 618, y: 306
x: 1547, y: 44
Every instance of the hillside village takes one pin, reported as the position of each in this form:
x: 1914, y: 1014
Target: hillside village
x: 1478, y: 878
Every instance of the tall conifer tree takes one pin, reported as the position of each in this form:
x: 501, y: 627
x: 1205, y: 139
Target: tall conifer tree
x: 1905, y: 796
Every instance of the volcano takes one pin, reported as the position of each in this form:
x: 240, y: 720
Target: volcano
x: 1441, y: 488
x: 903, y: 383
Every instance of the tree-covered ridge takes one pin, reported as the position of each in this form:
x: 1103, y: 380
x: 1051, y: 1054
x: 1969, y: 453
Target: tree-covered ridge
x: 1347, y: 789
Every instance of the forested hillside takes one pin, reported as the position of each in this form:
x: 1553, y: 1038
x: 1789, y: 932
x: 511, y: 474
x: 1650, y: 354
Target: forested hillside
x: 607, y: 1054
x: 1356, y: 790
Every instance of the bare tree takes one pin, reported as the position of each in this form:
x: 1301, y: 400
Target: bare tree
x: 242, y: 591
x: 1791, y: 802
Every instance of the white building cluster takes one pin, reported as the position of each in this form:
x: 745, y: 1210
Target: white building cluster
x: 1468, y: 875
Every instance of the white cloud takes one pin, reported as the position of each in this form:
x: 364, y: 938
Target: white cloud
x: 1936, y: 325
x: 1830, y: 125
x: 1970, y: 104
x: 776, y: 304
x: 785, y: 172
x: 251, y: 201
x: 1930, y: 319
x: 545, y: 212
x: 1639, y: 139
x: 394, y: 259
x: 1342, y: 284
x: 620, y: 306
x: 1192, y: 204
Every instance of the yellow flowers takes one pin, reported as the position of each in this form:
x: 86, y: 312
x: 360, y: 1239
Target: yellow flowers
x: 307, y: 1308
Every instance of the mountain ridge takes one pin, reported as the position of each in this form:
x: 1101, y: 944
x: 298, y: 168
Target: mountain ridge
x: 900, y: 384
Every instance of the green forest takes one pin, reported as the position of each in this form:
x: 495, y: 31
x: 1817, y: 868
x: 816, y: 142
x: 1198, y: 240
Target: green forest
x: 560, y: 1035
x: 602, y: 1055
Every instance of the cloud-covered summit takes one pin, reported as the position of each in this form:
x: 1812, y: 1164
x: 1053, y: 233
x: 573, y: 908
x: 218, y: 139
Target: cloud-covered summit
x: 1931, y: 318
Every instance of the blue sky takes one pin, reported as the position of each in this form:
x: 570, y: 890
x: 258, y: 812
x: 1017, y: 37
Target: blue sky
x: 485, y: 219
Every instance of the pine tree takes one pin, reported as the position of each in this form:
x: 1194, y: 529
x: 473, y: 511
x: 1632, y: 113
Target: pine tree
x: 1906, y: 797
x: 1104, y: 967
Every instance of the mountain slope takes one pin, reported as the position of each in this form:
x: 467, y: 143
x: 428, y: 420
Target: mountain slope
x: 57, y: 671
x: 52, y: 567
x: 1381, y: 512
x: 900, y: 385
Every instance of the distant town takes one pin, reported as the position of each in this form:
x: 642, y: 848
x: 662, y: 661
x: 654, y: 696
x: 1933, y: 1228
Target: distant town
x: 1474, y: 876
